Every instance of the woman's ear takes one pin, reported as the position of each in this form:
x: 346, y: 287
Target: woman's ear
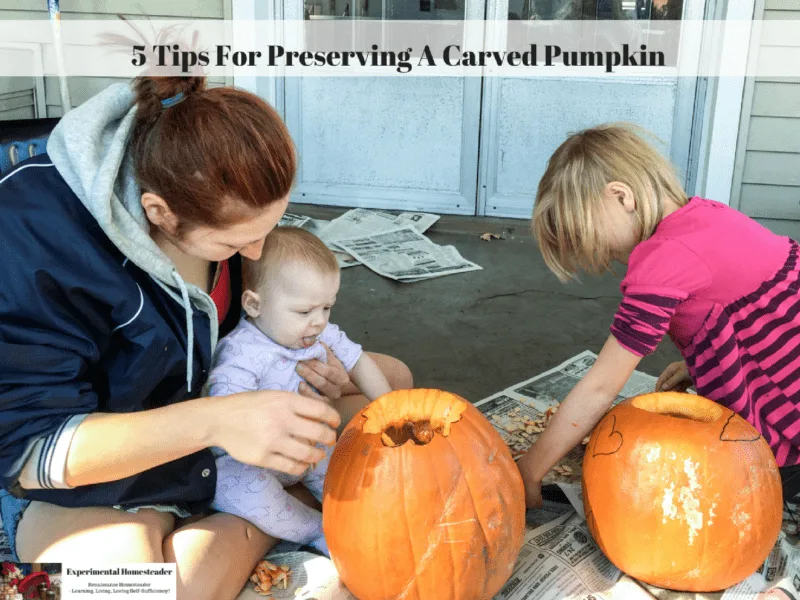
x: 251, y: 303
x: 159, y: 213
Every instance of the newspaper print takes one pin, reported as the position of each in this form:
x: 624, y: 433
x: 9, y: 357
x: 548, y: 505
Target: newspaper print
x: 406, y: 255
x: 316, y: 226
x: 560, y: 561
x: 359, y: 222
x: 292, y: 220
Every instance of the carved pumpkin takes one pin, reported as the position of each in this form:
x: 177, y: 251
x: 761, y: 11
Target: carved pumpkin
x: 423, y: 501
x: 681, y: 492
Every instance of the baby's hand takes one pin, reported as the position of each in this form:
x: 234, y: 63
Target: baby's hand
x: 675, y: 378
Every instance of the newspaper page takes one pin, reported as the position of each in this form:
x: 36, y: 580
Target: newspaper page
x: 560, y: 561
x: 316, y: 226
x: 360, y: 222
x: 292, y: 220
x: 520, y: 412
x: 406, y: 255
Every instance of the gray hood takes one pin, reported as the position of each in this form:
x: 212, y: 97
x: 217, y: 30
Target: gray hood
x: 89, y: 149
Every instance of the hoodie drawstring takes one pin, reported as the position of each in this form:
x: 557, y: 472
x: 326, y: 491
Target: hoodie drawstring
x: 187, y: 307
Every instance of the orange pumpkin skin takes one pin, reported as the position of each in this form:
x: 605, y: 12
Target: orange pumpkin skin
x: 442, y: 520
x: 690, y: 502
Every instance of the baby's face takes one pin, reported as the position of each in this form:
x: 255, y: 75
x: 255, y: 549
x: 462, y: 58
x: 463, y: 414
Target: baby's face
x: 296, y: 305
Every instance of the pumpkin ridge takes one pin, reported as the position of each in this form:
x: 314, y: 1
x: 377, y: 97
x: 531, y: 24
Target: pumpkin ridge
x: 475, y: 511
x: 413, y: 576
x: 450, y: 496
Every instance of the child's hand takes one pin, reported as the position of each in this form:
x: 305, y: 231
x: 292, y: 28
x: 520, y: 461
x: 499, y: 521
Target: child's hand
x: 675, y: 378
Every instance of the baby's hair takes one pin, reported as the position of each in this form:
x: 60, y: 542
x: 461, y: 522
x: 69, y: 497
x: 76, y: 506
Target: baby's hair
x: 289, y: 244
x: 569, y: 206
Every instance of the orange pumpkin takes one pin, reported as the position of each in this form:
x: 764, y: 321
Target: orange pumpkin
x: 681, y: 492
x: 423, y: 501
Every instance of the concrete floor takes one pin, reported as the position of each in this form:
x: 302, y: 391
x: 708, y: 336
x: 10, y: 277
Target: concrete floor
x: 477, y: 333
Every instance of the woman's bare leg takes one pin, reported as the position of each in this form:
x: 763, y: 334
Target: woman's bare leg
x: 216, y: 555
x: 352, y: 401
x: 50, y: 533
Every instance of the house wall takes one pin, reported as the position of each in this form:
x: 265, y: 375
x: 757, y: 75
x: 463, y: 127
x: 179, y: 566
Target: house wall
x: 17, y: 94
x: 766, y: 181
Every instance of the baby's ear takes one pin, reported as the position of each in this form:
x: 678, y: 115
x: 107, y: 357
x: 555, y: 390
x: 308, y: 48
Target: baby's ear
x: 251, y: 303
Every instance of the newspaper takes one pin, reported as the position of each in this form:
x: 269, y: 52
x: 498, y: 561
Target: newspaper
x: 406, y: 255
x: 560, y: 561
x: 292, y: 220
x: 360, y: 222
x: 530, y: 399
x: 316, y: 226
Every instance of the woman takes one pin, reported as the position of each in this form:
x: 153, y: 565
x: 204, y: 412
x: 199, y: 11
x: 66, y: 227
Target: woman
x: 116, y: 279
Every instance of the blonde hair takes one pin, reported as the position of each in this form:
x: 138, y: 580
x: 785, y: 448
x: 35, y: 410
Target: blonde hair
x: 569, y: 202
x: 289, y: 244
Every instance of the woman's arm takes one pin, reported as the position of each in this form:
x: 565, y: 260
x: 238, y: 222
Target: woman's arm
x: 258, y: 428
x: 577, y: 415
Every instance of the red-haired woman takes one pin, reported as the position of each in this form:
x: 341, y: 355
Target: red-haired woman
x: 119, y: 273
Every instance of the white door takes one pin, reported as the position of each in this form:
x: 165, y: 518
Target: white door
x: 526, y: 119
x: 386, y: 142
x: 468, y: 145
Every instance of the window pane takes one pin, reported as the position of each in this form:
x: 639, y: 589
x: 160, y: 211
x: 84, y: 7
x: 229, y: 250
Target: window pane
x: 559, y: 10
x: 405, y: 10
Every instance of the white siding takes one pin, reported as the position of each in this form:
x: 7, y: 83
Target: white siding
x: 767, y: 181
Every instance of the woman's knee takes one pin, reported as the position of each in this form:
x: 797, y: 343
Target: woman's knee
x: 396, y: 371
x: 49, y: 533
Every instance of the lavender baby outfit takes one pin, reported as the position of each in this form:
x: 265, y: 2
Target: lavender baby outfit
x: 247, y: 360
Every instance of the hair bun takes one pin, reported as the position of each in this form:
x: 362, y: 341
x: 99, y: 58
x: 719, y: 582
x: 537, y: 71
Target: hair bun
x: 151, y: 91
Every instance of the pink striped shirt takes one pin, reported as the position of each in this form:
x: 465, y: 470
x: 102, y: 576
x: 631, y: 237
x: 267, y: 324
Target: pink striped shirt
x: 726, y: 290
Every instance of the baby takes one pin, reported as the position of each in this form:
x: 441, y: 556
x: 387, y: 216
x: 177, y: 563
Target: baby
x: 289, y: 295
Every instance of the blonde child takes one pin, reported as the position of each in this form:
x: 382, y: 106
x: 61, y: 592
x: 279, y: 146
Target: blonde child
x: 722, y: 286
x: 288, y: 298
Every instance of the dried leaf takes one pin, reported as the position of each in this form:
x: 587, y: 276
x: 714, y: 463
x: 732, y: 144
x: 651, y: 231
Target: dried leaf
x: 488, y: 237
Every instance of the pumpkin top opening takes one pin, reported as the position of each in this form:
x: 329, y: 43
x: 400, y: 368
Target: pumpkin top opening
x: 683, y: 406
x: 416, y: 415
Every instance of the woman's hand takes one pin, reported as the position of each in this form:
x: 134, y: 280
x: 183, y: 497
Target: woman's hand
x: 274, y: 430
x: 329, y: 379
x: 675, y: 378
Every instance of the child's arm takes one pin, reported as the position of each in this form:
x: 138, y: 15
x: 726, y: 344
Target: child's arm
x: 577, y: 415
x: 369, y: 378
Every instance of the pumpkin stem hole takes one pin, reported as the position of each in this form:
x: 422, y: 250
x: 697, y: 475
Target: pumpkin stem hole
x: 420, y: 432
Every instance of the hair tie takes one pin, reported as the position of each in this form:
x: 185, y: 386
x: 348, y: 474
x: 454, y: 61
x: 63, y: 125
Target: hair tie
x: 167, y: 102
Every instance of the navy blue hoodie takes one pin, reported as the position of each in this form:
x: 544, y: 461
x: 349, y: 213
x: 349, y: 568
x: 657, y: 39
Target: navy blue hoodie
x: 93, y: 316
